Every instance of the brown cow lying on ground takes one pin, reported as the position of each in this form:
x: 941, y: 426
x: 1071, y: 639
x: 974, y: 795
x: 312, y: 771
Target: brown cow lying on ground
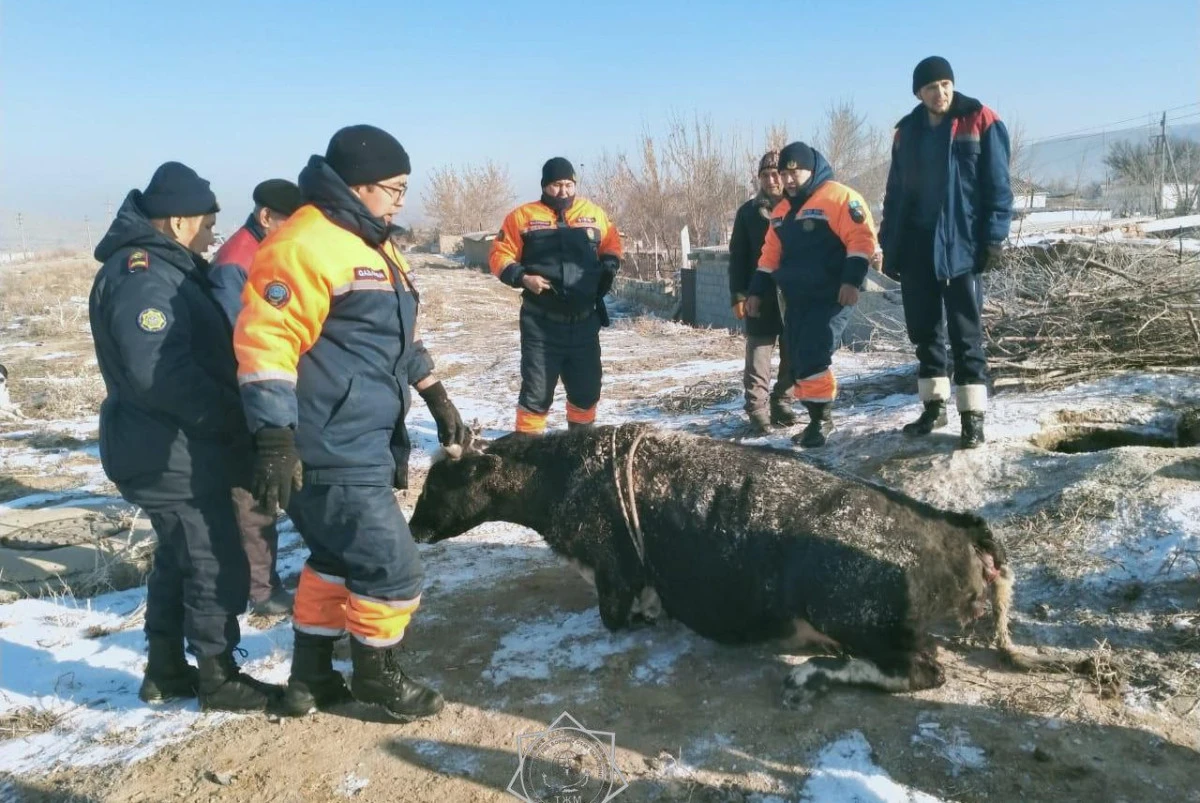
x: 740, y: 543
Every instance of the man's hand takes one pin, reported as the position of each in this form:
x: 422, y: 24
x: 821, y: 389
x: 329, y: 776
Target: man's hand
x: 847, y: 295
x: 739, y: 309
x: 753, y: 306
x: 536, y: 284
x: 450, y: 426
x: 992, y: 257
x: 277, y: 468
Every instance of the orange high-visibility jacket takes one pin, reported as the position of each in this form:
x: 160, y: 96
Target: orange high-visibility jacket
x: 573, y: 249
x: 324, y: 344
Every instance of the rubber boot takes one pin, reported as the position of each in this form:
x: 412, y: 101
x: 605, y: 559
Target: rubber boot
x: 820, y: 425
x: 223, y: 687
x: 379, y: 680
x: 782, y: 414
x: 168, y: 675
x: 314, y: 685
x: 972, y: 430
x: 934, y: 417
x: 574, y: 425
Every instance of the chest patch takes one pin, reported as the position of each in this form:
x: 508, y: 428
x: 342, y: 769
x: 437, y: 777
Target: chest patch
x: 369, y: 275
x: 152, y: 320
x: 538, y: 224
x: 807, y: 224
x: 585, y: 221
x: 277, y: 294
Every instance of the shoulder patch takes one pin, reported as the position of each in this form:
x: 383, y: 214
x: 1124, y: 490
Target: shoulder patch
x: 857, y: 213
x: 277, y: 294
x: 138, y: 260
x: 152, y: 320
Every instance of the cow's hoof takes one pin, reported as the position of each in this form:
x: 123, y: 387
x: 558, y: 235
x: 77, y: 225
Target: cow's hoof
x: 802, y: 686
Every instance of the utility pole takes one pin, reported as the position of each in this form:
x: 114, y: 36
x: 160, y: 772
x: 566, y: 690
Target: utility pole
x: 21, y: 231
x: 87, y: 228
x: 1162, y: 162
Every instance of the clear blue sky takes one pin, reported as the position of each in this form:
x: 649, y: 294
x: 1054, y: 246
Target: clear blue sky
x: 95, y: 95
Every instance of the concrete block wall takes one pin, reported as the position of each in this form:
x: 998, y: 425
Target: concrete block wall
x: 657, y: 297
x: 713, y: 307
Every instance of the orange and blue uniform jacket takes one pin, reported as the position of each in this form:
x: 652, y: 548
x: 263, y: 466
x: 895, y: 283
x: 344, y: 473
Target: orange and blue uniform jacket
x: 578, y: 250
x: 326, y: 341
x: 819, y: 240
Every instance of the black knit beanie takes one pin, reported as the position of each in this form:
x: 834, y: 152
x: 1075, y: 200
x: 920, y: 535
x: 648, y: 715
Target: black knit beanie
x: 364, y: 154
x: 934, y: 68
x: 175, y: 190
x: 797, y: 156
x: 557, y: 169
x: 278, y: 195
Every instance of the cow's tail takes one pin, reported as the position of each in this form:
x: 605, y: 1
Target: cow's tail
x: 1002, y: 596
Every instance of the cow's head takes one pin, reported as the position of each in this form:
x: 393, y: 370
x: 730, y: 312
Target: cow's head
x: 459, y: 494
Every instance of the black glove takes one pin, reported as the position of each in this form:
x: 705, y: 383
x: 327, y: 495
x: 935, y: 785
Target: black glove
x: 990, y: 259
x: 450, y: 426
x: 608, y: 272
x: 277, y: 469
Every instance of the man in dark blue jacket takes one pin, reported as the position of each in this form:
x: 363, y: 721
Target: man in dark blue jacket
x: 173, y: 437
x: 946, y: 215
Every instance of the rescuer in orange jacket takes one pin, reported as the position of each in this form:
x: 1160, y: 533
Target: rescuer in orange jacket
x: 563, y: 252
x: 326, y: 348
x: 818, y: 248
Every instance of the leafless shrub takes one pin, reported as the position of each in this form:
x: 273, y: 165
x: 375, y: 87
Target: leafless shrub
x: 27, y: 721
x: 470, y: 198
x: 859, y: 153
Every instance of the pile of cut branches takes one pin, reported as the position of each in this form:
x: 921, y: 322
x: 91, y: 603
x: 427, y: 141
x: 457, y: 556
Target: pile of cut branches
x: 1079, y: 311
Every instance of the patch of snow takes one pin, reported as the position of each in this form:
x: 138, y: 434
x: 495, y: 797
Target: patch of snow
x: 351, y: 785
x: 845, y: 771
x: 55, y: 355
x: 579, y: 641
x: 450, y: 759
x: 956, y: 746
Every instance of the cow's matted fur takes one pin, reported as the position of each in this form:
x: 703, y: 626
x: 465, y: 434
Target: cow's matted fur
x: 741, y: 543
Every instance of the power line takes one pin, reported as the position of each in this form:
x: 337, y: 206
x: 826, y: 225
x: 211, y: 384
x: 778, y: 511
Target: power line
x: 1099, y: 129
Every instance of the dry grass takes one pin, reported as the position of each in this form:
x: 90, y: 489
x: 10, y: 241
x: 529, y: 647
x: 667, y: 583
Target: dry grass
x: 27, y: 721
x: 698, y: 397
x: 47, y: 298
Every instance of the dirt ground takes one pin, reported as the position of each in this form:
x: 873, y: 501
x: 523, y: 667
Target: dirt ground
x: 706, y: 723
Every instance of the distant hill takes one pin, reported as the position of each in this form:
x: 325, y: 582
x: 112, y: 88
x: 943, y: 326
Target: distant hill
x: 1082, y: 158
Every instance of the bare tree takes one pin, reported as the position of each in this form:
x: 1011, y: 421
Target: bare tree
x: 857, y: 152
x: 703, y: 163
x: 471, y: 198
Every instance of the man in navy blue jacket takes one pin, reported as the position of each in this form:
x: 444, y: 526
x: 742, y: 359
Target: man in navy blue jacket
x: 946, y: 215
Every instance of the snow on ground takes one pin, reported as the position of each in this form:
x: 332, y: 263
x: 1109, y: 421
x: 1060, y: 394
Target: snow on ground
x: 844, y: 771
x: 54, y: 657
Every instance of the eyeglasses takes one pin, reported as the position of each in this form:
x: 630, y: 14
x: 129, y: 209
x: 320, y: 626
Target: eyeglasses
x: 395, y: 193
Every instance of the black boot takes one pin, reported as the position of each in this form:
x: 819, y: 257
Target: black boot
x: 378, y: 679
x: 314, y: 684
x: 168, y: 674
x: 820, y: 425
x: 782, y: 414
x: 934, y: 417
x: 972, y: 430
x: 223, y: 687
x: 574, y: 425
x: 760, y: 422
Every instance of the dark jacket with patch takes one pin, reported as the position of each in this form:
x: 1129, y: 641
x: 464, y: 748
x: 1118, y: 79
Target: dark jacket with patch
x: 578, y: 250
x: 978, y: 206
x: 326, y: 342
x: 745, y: 246
x: 231, y: 265
x: 171, y: 425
